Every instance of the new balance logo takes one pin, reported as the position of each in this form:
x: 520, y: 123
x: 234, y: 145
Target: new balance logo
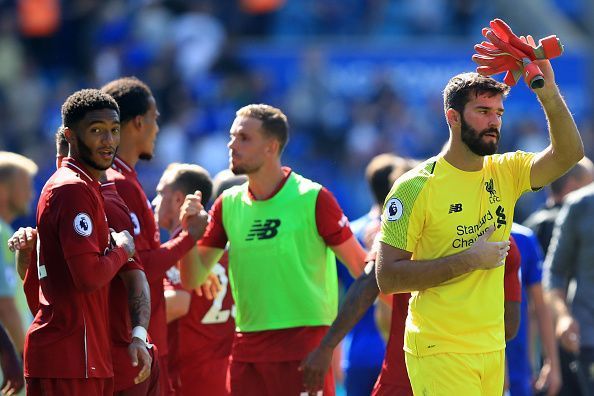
x: 455, y: 208
x: 266, y: 230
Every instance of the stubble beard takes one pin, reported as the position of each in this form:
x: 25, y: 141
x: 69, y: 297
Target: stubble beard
x: 85, y: 155
x: 474, y: 139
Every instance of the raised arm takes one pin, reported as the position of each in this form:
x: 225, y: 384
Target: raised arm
x: 566, y: 147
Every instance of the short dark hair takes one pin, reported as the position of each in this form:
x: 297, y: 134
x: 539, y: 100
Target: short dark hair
x: 81, y: 102
x: 458, y: 90
x: 132, y: 96
x: 188, y: 178
x: 274, y: 121
x: 378, y: 173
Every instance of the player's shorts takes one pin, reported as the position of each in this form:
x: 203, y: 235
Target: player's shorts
x: 272, y: 379
x: 69, y: 386
x: 381, y: 389
x: 457, y: 374
x: 203, y: 378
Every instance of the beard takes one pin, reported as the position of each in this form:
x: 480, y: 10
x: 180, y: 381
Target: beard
x: 85, y: 155
x: 244, y: 169
x: 146, y: 156
x: 239, y: 170
x: 474, y: 139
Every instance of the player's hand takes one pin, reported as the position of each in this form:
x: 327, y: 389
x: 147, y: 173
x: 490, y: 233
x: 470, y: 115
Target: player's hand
x: 140, y: 355
x: 568, y: 333
x: 549, y: 380
x: 487, y: 255
x: 210, y: 288
x: 314, y: 368
x: 192, y: 215
x: 13, y: 372
x: 24, y: 239
x: 545, y: 67
x: 125, y: 240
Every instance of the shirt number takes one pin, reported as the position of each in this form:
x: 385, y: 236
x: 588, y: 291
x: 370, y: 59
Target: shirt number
x: 216, y: 313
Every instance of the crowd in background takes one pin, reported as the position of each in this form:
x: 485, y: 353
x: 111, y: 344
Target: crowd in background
x: 194, y: 56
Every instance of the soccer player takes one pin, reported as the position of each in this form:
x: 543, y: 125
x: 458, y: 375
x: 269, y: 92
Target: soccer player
x: 283, y: 232
x: 393, y: 379
x: 67, y: 348
x: 445, y: 232
x: 16, y: 194
x: 200, y: 329
x: 138, y: 114
x: 129, y: 305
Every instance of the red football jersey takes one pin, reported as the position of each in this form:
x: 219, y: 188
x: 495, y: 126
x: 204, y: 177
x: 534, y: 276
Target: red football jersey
x: 69, y: 337
x: 394, y: 368
x: 156, y: 258
x: 206, y: 331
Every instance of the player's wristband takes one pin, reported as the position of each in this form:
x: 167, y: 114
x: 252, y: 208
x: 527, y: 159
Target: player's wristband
x: 141, y: 333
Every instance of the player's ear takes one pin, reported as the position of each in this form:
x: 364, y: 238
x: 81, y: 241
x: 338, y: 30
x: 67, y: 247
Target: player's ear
x: 137, y: 121
x: 179, y: 197
x: 453, y: 117
x: 69, y: 134
x: 273, y: 147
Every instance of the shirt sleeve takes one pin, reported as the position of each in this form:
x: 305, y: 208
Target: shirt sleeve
x: 157, y: 261
x: 31, y: 284
x: 118, y: 218
x: 560, y: 261
x: 215, y: 235
x: 520, y: 164
x: 511, y: 280
x: 77, y: 229
x: 333, y: 225
x: 404, y: 214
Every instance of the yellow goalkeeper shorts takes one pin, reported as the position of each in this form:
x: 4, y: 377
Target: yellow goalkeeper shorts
x: 457, y: 374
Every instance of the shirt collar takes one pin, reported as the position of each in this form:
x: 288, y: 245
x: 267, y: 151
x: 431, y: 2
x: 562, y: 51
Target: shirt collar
x: 80, y: 169
x: 287, y: 171
x: 122, y: 166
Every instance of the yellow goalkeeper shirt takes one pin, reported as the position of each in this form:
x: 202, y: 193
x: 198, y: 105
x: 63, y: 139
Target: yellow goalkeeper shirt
x: 437, y: 210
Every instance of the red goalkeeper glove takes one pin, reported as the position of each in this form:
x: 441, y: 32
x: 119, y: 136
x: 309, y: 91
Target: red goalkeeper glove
x: 507, y: 49
x: 548, y: 48
x: 492, y: 60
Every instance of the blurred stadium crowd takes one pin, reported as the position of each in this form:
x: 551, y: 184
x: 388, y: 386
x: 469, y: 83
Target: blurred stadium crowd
x: 355, y: 78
